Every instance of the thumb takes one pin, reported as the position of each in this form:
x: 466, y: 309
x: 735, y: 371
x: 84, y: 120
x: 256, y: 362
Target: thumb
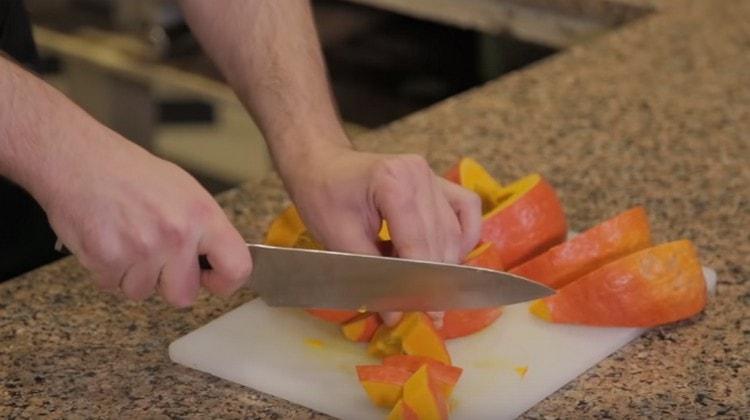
x: 229, y: 258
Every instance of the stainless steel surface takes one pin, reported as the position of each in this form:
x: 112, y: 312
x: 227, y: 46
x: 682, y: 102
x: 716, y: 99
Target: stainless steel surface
x: 311, y: 278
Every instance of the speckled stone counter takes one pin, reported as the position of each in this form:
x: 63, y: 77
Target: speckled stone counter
x: 656, y: 113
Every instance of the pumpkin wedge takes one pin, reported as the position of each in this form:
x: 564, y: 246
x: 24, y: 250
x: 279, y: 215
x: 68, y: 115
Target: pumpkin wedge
x: 527, y: 221
x: 651, y: 287
x: 460, y: 323
x: 614, y: 238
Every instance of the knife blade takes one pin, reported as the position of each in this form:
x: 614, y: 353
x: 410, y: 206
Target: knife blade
x: 305, y: 278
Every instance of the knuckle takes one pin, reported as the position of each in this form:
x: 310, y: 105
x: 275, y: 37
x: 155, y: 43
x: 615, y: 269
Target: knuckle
x: 174, y: 233
x: 142, y: 243
x: 202, y: 209
x: 240, y: 269
x: 418, y: 164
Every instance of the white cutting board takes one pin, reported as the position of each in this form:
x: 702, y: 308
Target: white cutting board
x: 286, y: 353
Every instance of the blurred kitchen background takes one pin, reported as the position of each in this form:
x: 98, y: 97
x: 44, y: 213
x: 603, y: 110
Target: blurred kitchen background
x: 134, y: 65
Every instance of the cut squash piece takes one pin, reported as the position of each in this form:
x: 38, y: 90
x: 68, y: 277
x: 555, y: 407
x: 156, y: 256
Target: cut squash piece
x: 651, y: 287
x: 617, y: 237
x: 527, y: 221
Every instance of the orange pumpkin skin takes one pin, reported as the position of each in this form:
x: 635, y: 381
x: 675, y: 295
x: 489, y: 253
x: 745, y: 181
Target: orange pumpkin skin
x: 651, y: 287
x: 460, y: 323
x: 527, y: 222
x: 334, y: 316
x: 485, y: 255
x: 614, y: 238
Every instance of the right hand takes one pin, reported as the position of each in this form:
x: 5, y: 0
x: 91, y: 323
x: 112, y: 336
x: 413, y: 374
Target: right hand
x: 139, y: 224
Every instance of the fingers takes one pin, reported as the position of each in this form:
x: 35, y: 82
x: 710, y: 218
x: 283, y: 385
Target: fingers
x: 179, y: 283
x: 229, y: 258
x: 351, y: 236
x: 468, y: 208
x: 139, y: 281
x: 422, y: 223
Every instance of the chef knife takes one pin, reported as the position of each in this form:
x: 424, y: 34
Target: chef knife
x: 308, y: 278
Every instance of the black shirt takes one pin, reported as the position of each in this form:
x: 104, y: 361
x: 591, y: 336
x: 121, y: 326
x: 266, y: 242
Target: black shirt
x: 26, y: 240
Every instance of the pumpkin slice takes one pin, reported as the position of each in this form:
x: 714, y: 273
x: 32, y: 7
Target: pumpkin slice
x: 651, y: 287
x: 362, y: 327
x: 619, y: 236
x: 460, y: 323
x: 527, y: 220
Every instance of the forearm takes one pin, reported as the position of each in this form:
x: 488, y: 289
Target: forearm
x: 42, y: 133
x: 269, y: 52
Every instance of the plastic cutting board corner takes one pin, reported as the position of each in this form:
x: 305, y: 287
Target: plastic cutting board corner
x: 284, y: 352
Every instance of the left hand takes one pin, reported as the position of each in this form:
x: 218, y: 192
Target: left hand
x: 344, y: 195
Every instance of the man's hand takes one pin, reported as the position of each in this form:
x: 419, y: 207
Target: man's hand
x: 139, y: 223
x: 344, y: 195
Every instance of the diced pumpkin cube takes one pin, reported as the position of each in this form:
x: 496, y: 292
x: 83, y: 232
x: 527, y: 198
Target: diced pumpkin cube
x: 362, y: 327
x: 422, y: 394
x: 414, y: 334
x: 444, y: 375
x: 383, y: 384
x: 383, y: 343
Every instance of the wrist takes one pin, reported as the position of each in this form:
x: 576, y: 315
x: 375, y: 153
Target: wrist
x: 299, y: 155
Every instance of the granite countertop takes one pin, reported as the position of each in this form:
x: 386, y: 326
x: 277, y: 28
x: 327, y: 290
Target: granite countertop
x: 656, y: 112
